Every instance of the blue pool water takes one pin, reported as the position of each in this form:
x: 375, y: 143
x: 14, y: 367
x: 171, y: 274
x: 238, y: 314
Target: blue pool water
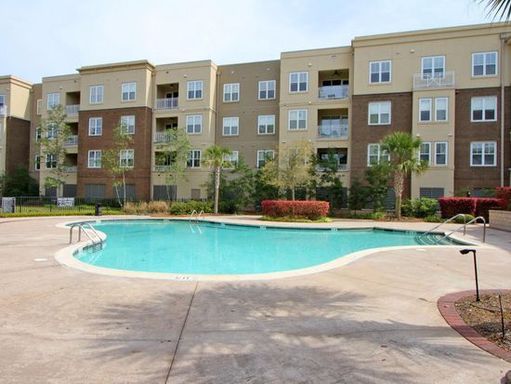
x: 207, y: 248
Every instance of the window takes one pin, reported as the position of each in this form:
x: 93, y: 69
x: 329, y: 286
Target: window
x: 231, y: 126
x: 266, y: 124
x: 482, y: 154
x: 433, y: 66
x: 297, y: 119
x: 96, y: 94
x: 484, y: 108
x: 128, y: 124
x: 127, y: 158
x: 231, y: 159
x: 425, y: 106
x: 194, y: 124
x: 51, y: 161
x: 484, y: 64
x: 95, y: 126
x: 425, y: 152
x: 441, y: 153
x: 37, y: 134
x: 94, y: 159
x: 53, y: 100
x: 379, y: 71
x: 375, y: 154
x: 194, y: 158
x: 37, y: 162
x: 194, y: 89
x: 231, y: 92
x: 2, y: 100
x: 129, y: 91
x: 267, y: 90
x: 441, y: 105
x: 52, y: 131
x: 379, y: 113
x: 263, y: 156
x: 298, y: 82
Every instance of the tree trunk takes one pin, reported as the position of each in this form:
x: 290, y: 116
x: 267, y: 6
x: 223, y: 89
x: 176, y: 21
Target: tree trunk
x: 398, y: 190
x: 217, y: 188
x: 293, y: 193
x: 124, y: 189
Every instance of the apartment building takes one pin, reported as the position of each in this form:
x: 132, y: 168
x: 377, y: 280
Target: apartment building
x: 451, y: 87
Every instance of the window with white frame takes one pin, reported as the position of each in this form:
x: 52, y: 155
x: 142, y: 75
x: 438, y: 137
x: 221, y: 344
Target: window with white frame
x: 52, y: 131
x: 127, y: 158
x: 96, y: 94
x: 484, y: 64
x: 95, y: 126
x: 298, y: 82
x: 441, y: 153
x: 425, y: 152
x: 380, y: 72
x: 266, y: 90
x: 53, y: 100
x: 484, y: 108
x: 425, y: 107
x: 128, y: 124
x: 194, y: 89
x: 379, y: 113
x: 129, y: 91
x: 433, y: 66
x: 231, y: 92
x: 266, y: 124
x: 194, y: 124
x: 375, y: 154
x: 51, y: 161
x: 231, y: 159
x: 231, y: 126
x: 483, y: 154
x: 441, y: 108
x: 2, y: 101
x: 37, y: 162
x: 194, y: 158
x: 94, y: 159
x: 297, y: 119
x: 264, y: 155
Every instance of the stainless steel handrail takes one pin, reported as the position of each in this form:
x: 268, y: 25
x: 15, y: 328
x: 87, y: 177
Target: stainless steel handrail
x: 81, y: 228
x: 447, y: 221
x: 464, y: 226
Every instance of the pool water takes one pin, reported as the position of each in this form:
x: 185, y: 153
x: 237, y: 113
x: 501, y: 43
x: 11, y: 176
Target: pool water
x: 218, y: 249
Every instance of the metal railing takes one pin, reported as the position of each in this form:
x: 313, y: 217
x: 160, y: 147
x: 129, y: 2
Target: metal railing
x: 333, y: 92
x: 70, y: 168
x: 161, y: 168
x: 72, y: 109
x: 71, y: 141
x: 333, y: 131
x: 167, y: 103
x: 93, y: 236
x: 161, y: 137
x: 464, y: 226
x: 445, y: 222
x: 423, y: 81
x: 3, y: 110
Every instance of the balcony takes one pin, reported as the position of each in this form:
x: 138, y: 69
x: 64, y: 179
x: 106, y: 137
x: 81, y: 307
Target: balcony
x: 428, y: 81
x: 333, y: 92
x: 161, y: 137
x: 71, y: 141
x: 3, y: 110
x: 70, y: 168
x: 167, y: 103
x: 331, y: 131
x: 72, y: 110
x: 161, y: 168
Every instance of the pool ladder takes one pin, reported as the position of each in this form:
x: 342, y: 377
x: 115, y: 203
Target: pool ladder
x: 194, y: 221
x: 435, y: 241
x: 89, y: 231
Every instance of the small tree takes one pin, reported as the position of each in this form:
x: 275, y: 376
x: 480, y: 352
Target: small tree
x: 19, y: 183
x: 290, y: 170
x: 358, y: 196
x: 215, y: 159
x: 378, y: 177
x: 328, y: 178
x: 404, y: 160
x: 173, y: 154
x: 54, y: 134
x: 111, y: 160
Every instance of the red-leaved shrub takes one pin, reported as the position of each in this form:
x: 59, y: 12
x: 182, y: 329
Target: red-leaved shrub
x: 484, y: 204
x: 475, y: 206
x: 294, y: 208
x: 504, y: 193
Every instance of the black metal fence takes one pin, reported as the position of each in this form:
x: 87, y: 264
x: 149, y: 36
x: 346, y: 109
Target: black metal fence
x: 27, y: 204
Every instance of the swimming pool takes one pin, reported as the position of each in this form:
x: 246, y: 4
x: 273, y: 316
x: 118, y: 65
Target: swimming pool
x: 206, y: 248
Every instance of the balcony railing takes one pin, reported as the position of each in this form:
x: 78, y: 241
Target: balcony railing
x: 424, y: 81
x: 72, y: 110
x: 161, y: 137
x: 70, y: 168
x: 161, y: 168
x: 71, y: 141
x: 340, y: 168
x: 333, y: 92
x: 333, y: 131
x: 168, y: 103
x: 3, y: 110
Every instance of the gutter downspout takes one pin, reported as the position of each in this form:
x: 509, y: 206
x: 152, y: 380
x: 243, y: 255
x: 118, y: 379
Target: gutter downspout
x: 504, y: 38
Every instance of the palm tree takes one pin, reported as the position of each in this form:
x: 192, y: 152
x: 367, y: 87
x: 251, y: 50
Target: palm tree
x: 214, y: 157
x: 498, y: 8
x: 403, y: 150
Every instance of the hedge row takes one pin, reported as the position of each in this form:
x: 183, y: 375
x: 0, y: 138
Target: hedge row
x: 475, y: 206
x: 504, y: 193
x: 311, y: 210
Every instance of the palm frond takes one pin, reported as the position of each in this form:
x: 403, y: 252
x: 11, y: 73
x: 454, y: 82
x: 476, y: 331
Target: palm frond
x: 500, y: 9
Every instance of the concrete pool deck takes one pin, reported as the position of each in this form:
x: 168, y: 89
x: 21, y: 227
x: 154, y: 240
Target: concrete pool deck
x: 372, y: 321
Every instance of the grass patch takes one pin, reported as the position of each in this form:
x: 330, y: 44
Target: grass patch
x: 42, y: 211
x: 296, y: 219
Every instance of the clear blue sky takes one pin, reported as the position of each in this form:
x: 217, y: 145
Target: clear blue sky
x: 45, y: 38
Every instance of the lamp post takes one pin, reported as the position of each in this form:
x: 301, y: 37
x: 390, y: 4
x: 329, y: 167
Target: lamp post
x: 464, y: 252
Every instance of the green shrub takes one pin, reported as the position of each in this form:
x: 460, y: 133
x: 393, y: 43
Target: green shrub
x: 187, y: 207
x: 421, y: 207
x: 433, y: 219
x: 460, y: 220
